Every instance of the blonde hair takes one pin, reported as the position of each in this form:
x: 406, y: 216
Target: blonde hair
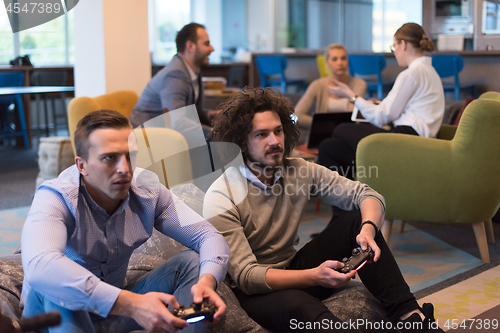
x: 415, y: 35
x: 334, y: 46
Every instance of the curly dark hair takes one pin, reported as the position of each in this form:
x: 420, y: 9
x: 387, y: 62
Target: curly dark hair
x: 234, y: 123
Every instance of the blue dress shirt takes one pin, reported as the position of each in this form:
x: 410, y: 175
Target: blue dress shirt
x: 77, y: 255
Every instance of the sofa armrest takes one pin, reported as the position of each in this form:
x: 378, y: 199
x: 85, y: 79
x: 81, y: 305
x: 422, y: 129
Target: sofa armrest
x: 447, y: 132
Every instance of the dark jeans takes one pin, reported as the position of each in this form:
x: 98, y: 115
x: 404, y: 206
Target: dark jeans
x: 339, y: 152
x: 383, y: 279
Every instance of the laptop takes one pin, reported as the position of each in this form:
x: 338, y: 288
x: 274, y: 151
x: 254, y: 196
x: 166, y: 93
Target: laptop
x: 323, y: 125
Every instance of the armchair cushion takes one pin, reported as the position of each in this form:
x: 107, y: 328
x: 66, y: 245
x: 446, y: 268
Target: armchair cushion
x: 122, y: 101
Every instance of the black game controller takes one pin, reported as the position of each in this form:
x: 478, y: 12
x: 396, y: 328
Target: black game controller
x: 358, y: 259
x: 196, y: 312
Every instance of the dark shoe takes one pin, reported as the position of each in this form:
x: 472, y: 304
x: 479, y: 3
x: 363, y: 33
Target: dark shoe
x: 414, y: 323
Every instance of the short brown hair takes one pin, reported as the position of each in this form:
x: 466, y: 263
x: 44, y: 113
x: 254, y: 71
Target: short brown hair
x: 415, y: 35
x: 96, y: 120
x: 234, y: 123
x: 188, y: 32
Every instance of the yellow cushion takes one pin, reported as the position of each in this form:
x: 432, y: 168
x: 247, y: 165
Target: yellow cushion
x: 122, y: 101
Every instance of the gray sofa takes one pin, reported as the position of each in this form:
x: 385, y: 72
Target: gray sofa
x: 352, y: 301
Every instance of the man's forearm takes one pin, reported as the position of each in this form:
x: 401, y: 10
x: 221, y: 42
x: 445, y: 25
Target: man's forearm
x: 279, y: 279
x: 124, y: 304
x: 372, y: 210
x: 208, y: 280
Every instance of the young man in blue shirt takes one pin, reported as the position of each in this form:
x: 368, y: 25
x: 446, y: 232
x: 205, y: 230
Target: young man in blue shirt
x: 83, y: 227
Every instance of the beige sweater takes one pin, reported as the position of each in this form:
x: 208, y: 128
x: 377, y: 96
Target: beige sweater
x: 317, y: 92
x: 260, y: 223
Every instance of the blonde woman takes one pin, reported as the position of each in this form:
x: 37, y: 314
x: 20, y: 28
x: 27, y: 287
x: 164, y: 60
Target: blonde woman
x: 317, y: 92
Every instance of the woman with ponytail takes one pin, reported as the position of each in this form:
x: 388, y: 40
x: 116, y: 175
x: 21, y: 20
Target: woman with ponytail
x: 415, y: 104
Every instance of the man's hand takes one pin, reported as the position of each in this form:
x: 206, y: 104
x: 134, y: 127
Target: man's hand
x: 340, y: 89
x: 365, y: 238
x: 205, y: 289
x: 325, y: 274
x: 149, y: 310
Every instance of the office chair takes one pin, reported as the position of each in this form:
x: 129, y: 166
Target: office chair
x: 236, y: 76
x: 272, y: 72
x: 370, y: 64
x: 12, y: 79
x: 447, y: 65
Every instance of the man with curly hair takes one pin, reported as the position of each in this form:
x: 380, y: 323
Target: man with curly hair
x: 257, y: 207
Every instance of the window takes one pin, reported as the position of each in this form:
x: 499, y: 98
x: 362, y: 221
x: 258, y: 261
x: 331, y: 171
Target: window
x: 166, y: 17
x: 360, y: 25
x: 388, y: 16
x: 6, y: 40
x: 50, y: 43
x: 491, y: 17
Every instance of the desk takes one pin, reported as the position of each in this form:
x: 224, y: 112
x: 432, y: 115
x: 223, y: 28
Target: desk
x: 34, y: 90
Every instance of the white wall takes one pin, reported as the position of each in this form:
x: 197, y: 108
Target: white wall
x: 261, y: 25
x: 111, y: 46
x: 209, y: 13
x: 281, y: 24
x: 89, y: 70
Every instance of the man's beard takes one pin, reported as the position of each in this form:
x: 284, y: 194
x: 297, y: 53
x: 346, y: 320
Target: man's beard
x: 200, y: 60
x: 259, y: 164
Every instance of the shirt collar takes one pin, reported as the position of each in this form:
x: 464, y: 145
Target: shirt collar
x: 245, y: 171
x: 94, y: 205
x: 419, y: 60
x: 192, y: 74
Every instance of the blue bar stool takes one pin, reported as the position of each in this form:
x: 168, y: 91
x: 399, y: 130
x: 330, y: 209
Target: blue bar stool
x: 272, y: 72
x: 12, y: 79
x: 370, y: 64
x: 447, y: 65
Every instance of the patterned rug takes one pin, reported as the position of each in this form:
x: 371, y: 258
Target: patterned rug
x: 11, y: 225
x: 472, y: 305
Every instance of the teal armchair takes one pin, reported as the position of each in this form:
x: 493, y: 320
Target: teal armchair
x: 437, y: 180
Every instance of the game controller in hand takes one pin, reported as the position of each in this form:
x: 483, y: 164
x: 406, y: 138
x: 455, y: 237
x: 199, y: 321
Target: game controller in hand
x: 358, y: 259
x: 196, y: 312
